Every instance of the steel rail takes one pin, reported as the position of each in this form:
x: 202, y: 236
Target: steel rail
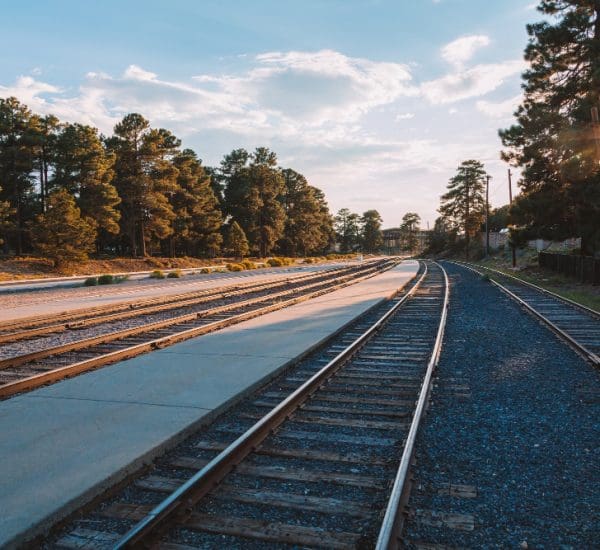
x: 391, y: 526
x: 180, y: 502
x: 77, y: 319
x: 120, y: 334
x: 34, y: 381
x: 535, y: 287
x: 580, y: 348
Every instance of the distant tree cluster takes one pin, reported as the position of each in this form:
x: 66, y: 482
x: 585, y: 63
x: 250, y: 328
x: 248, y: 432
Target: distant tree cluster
x: 66, y: 191
x: 356, y: 232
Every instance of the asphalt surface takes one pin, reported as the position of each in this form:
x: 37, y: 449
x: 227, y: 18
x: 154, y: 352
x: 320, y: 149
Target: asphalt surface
x: 514, y: 416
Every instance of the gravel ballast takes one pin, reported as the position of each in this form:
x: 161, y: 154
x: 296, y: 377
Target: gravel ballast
x: 515, y: 415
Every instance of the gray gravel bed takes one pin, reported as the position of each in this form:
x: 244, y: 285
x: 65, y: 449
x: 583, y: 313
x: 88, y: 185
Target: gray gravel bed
x: 525, y: 432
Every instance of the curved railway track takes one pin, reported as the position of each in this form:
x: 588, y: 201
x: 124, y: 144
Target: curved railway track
x: 49, y: 363
x: 575, y: 323
x: 319, y: 457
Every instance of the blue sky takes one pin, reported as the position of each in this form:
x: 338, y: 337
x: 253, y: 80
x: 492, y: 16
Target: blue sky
x: 375, y: 101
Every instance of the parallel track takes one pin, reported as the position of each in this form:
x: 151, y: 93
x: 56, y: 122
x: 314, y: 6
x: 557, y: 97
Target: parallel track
x: 33, y: 327
x: 575, y: 323
x: 27, y: 371
x: 321, y: 468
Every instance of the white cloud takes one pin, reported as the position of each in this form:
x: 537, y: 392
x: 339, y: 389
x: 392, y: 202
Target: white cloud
x: 474, y: 82
x: 330, y: 115
x: 462, y: 49
x: 501, y: 109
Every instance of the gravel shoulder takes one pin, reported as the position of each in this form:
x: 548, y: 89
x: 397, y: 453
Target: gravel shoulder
x: 514, y: 416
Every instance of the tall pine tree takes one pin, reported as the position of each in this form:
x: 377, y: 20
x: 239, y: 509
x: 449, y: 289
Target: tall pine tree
x: 463, y: 205
x: 84, y: 168
x: 553, y: 141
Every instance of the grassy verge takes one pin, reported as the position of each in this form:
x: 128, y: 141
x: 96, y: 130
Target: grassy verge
x: 529, y: 271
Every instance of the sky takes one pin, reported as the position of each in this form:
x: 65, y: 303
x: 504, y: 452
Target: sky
x: 375, y: 101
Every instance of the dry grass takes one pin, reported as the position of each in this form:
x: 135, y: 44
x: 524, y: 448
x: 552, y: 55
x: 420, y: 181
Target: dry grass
x: 33, y: 268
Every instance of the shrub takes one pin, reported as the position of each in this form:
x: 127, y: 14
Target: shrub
x: 275, y: 262
x: 205, y: 270
x: 157, y: 274
x: 90, y: 281
x: 175, y: 274
x: 248, y: 264
x: 120, y: 278
x: 106, y: 279
x: 235, y: 267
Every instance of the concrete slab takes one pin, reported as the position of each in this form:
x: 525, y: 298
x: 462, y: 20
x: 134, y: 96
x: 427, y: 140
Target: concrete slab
x: 62, y: 444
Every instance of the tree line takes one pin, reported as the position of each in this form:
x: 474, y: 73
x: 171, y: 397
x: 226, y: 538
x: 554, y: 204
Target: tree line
x: 67, y: 190
x: 555, y: 142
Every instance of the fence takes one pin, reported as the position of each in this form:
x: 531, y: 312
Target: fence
x: 583, y: 268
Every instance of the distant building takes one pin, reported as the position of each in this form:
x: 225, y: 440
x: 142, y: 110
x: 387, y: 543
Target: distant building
x: 393, y: 245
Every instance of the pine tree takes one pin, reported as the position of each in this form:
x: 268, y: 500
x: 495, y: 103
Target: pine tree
x: 198, y: 217
x: 252, y: 197
x: 409, y: 229
x: 307, y: 227
x: 61, y: 234
x: 347, y: 229
x: 144, y: 176
x: 553, y: 141
x: 17, y: 165
x: 371, y: 235
x: 6, y: 213
x: 43, y: 131
x: 463, y: 205
x: 84, y: 168
x: 236, y: 241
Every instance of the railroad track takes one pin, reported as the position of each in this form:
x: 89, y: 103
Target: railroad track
x: 50, y: 363
x: 34, y: 327
x: 575, y: 323
x: 319, y: 457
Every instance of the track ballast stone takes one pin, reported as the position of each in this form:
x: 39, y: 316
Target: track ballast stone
x: 514, y: 415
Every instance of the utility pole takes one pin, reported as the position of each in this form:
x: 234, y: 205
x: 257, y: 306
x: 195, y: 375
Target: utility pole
x: 512, y: 245
x: 487, y: 215
x: 596, y: 131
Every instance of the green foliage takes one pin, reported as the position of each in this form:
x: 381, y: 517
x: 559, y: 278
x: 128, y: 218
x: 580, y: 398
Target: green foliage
x: 198, y: 217
x: 554, y: 141
x: 371, y: 235
x: 84, y: 168
x: 347, y: 228
x: 157, y: 274
x: 91, y: 281
x: 409, y: 230
x: 253, y: 187
x: 236, y: 241
x: 106, y: 279
x: 308, y: 224
x: 61, y: 234
x: 463, y: 205
x: 175, y: 274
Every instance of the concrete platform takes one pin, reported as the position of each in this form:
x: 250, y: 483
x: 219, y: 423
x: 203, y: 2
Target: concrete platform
x: 63, y: 444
